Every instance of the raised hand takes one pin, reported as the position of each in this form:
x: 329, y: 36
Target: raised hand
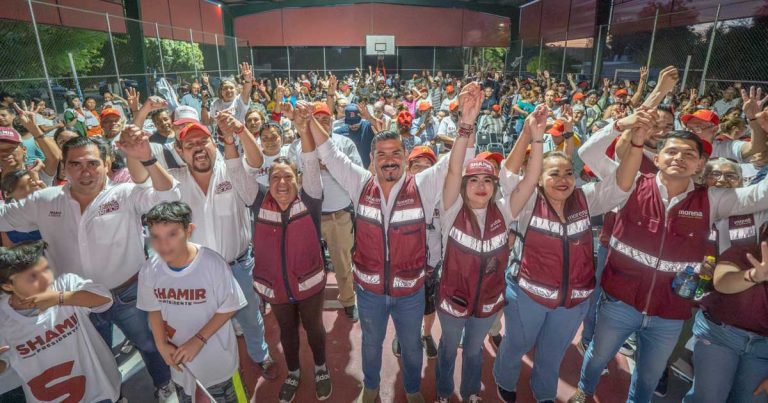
x: 566, y: 116
x: 206, y: 79
x: 154, y: 103
x: 759, y: 270
x: 26, y: 116
x: 333, y: 82
x: 132, y: 97
x: 470, y: 101
x: 301, y: 116
x: 606, y: 83
x: 536, y: 122
x: 643, y: 73
x: 246, y: 72
x: 644, y: 125
x: 228, y: 126
x: 287, y: 109
x: 752, y: 101
x: 134, y: 143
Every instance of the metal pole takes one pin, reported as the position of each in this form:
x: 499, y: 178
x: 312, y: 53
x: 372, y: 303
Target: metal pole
x: 520, y: 67
x: 218, y: 59
x: 325, y: 69
x: 192, y: 42
x: 565, y: 50
x: 541, y: 48
x: 112, y: 46
x: 288, y: 53
x: 685, y: 72
x: 74, y: 75
x: 237, y: 54
x: 251, y: 49
x: 42, y: 57
x: 361, y: 61
x: 709, y: 52
x: 598, y: 55
x: 160, y: 48
x: 653, y: 39
x: 434, y: 59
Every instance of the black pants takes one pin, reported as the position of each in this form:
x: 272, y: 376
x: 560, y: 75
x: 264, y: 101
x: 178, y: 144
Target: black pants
x: 309, y: 313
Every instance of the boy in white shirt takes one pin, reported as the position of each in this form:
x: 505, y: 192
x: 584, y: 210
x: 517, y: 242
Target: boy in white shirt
x: 190, y: 294
x: 50, y: 341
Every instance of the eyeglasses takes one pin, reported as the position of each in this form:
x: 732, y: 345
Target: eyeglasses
x: 729, y: 176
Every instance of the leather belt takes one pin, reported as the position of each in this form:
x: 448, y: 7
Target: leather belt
x: 122, y: 287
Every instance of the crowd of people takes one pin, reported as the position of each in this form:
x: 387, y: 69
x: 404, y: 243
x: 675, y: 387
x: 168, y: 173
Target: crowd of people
x: 470, y: 201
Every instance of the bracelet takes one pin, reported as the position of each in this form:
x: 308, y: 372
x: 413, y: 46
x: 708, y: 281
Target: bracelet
x: 537, y: 141
x: 201, y: 338
x: 465, y: 130
x: 748, y: 277
x: 240, y: 130
x: 752, y: 120
x: 617, y: 127
x: 635, y: 145
x: 61, y: 297
x: 149, y: 162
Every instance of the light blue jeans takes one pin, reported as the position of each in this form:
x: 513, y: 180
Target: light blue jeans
x: 729, y: 363
x: 656, y: 338
x: 589, y: 320
x: 249, y: 316
x: 474, y: 331
x: 530, y: 324
x: 406, y: 312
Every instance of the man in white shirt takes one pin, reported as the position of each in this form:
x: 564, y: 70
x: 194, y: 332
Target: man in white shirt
x: 94, y: 230
x: 216, y: 188
x: 728, y: 101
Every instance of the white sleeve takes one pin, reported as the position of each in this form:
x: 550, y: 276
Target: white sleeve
x: 311, y: 180
x: 244, y: 183
x: 508, y: 180
x: 145, y: 295
x: 143, y: 197
x: 592, y: 152
x: 73, y: 282
x: 603, y: 196
x: 20, y: 215
x: 350, y: 176
x: 727, y: 202
x: 431, y: 181
x: 229, y: 295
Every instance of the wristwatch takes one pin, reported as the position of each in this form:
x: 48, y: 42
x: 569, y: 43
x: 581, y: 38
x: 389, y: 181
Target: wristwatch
x: 149, y: 162
x: 567, y: 135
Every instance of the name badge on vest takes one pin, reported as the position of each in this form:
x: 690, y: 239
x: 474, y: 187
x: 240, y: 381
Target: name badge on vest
x: 491, y: 265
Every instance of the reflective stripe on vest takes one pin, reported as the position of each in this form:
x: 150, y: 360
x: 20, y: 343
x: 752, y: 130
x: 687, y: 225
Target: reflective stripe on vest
x: 546, y: 225
x: 651, y: 261
x: 371, y: 213
x: 475, y: 244
x: 271, y: 216
x: 312, y: 281
x: 578, y: 227
x: 368, y: 278
x: 581, y: 293
x: 453, y: 312
x: 399, y: 282
x: 742, y: 233
x: 487, y: 308
x: 538, y: 290
x: 264, y: 290
x: 411, y: 214
x: 297, y: 209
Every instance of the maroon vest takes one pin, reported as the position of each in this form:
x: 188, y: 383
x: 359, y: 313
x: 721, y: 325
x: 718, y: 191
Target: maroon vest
x: 557, y: 267
x: 392, y: 262
x: 289, y: 261
x: 648, y: 248
x: 472, y: 282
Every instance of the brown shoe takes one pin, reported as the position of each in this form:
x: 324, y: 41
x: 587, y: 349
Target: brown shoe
x: 415, y: 397
x: 368, y: 395
x: 268, y: 367
x: 578, y: 397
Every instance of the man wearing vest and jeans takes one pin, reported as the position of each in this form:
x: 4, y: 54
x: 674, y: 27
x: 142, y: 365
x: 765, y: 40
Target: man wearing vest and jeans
x: 390, y: 254
x: 661, y: 229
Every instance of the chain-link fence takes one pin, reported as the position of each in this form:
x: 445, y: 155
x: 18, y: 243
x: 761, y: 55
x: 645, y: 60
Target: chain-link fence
x: 53, y: 50
x: 712, y: 47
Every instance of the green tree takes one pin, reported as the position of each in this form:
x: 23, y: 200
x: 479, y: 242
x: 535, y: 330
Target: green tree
x: 177, y: 55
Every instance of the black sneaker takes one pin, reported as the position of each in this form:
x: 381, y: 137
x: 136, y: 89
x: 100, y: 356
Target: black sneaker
x: 288, y: 390
x: 506, y: 396
x: 323, y: 385
x: 496, y: 341
x: 661, y: 387
x: 429, y: 346
x: 351, y: 312
x: 396, y: 347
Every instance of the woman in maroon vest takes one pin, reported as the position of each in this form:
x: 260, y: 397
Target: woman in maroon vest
x: 475, y: 225
x: 548, y: 297
x: 289, y: 271
x: 731, y: 352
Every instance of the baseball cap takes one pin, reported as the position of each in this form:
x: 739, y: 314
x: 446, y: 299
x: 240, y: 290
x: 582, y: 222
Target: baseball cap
x: 453, y: 105
x: 577, y: 96
x: 345, y: 87
x: 184, y: 114
x: 479, y: 166
x: 449, y: 89
x: 422, y: 151
x: 424, y: 106
x: 557, y: 129
x: 404, y: 118
x: 579, y: 108
x: 10, y: 135
x: 321, y: 108
x: 703, y: 114
x: 496, y: 108
x: 109, y: 112
x: 352, y: 115
x: 706, y: 147
x: 487, y: 155
x: 191, y: 129
x: 620, y: 92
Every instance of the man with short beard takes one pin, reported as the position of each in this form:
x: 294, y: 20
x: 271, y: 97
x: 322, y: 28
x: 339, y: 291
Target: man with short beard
x: 217, y: 191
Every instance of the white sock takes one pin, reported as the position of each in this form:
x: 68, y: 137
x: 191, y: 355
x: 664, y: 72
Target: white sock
x: 319, y: 368
x: 295, y: 373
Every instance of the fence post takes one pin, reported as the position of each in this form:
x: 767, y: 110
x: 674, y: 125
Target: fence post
x: 685, y: 72
x: 218, y: 59
x: 709, y: 52
x: 565, y: 51
x: 434, y: 58
x: 192, y: 42
x: 598, y: 55
x: 160, y: 48
x: 541, y: 47
x: 653, y: 39
x: 251, y: 50
x: 74, y: 75
x: 112, y: 46
x: 361, y: 61
x: 237, y: 53
x: 288, y: 54
x: 520, y: 68
x: 325, y: 69
x: 42, y: 57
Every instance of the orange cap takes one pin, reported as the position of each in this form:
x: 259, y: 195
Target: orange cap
x: 703, y: 114
x: 422, y: 151
x: 191, y: 129
x: 557, y: 129
x: 109, y: 112
x: 621, y: 92
x: 487, y: 155
x: 321, y: 108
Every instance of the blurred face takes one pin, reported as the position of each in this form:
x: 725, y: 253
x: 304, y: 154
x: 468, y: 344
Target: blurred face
x: 419, y: 164
x: 479, y: 190
x: 729, y: 93
x: 15, y: 159
x: 90, y: 104
x: 664, y: 124
x: 283, y: 184
x: 340, y: 105
x: 561, y: 88
x: 389, y: 160
x: 195, y: 88
x: 723, y: 175
x: 705, y: 103
x: 488, y: 92
x: 32, y: 281
x: 577, y: 115
x: 623, y: 99
x: 549, y: 97
x: 198, y: 152
x: 227, y: 92
x: 6, y: 118
x: 735, y: 112
x: 76, y: 103
x: 592, y: 99
x: 557, y: 179
x: 324, y: 120
x: 107, y: 97
x: 85, y: 170
x: 163, y: 122
x: 271, y: 141
x: 704, y: 129
x: 679, y: 159
x: 378, y: 111
x: 169, y: 240
x: 253, y: 123
x: 41, y: 105
x: 23, y: 188
x: 111, y: 125
x: 496, y: 113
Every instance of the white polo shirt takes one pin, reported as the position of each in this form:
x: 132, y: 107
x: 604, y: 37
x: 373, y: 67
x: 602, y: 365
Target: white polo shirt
x: 105, y: 243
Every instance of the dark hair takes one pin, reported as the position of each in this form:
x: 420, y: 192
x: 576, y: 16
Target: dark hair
x: 176, y: 212
x: 80, y: 142
x: 666, y: 108
x: 600, y: 124
x: 283, y: 161
x: 61, y: 130
x: 71, y: 98
x: 19, y: 258
x: 386, y: 135
x: 10, y: 181
x: 682, y: 135
x: 157, y: 113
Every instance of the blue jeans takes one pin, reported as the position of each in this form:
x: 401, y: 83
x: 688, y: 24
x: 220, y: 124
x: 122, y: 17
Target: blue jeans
x: 249, y: 316
x: 530, y: 324
x: 591, y: 317
x: 656, y: 338
x: 406, y: 312
x: 135, y: 326
x: 728, y: 362
x: 474, y: 330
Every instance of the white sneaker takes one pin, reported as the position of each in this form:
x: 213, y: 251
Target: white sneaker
x: 474, y: 399
x: 166, y: 393
x: 238, y: 328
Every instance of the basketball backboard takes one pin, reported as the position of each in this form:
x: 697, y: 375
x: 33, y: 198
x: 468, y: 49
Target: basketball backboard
x: 379, y: 45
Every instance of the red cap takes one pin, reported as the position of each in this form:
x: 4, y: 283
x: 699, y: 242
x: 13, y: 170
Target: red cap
x: 578, y: 96
x: 404, y: 118
x: 703, y: 114
x: 9, y: 134
x: 620, y: 92
x: 191, y: 129
x: 453, y: 105
x: 345, y: 87
x: 424, y: 106
x: 307, y: 84
x: 449, y: 89
x: 487, y: 155
x: 479, y: 166
x: 321, y: 108
x: 422, y: 151
x: 109, y: 112
x: 496, y: 108
x: 557, y: 129
x: 707, y: 147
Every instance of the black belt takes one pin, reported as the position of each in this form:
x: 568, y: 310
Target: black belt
x: 238, y: 259
x: 711, y: 319
x: 122, y: 287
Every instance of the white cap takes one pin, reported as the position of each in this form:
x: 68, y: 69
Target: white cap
x: 185, y: 114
